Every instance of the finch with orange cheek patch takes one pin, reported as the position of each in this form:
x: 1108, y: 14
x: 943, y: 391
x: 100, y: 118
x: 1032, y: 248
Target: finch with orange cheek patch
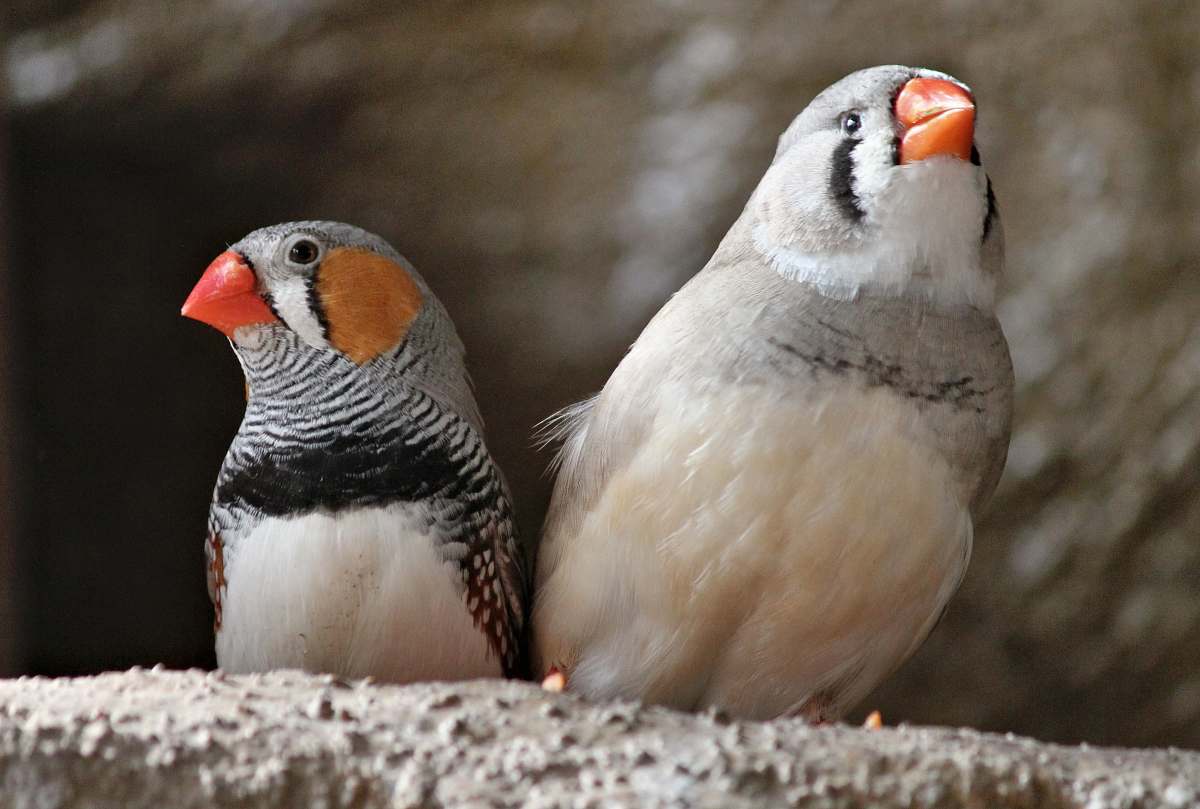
x: 359, y: 525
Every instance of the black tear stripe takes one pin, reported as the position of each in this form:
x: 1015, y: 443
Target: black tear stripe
x: 989, y: 219
x: 267, y: 297
x: 269, y: 300
x: 841, y: 180
x: 315, y: 305
x: 975, y: 161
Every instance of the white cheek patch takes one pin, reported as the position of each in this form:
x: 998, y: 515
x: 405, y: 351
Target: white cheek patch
x: 925, y: 225
x: 291, y: 299
x: 874, y: 158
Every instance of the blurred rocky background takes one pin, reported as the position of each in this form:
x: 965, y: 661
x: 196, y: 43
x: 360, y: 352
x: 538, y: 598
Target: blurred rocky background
x: 556, y: 170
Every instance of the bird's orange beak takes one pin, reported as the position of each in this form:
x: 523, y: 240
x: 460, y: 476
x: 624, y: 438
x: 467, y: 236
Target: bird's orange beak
x: 937, y: 118
x: 225, y: 297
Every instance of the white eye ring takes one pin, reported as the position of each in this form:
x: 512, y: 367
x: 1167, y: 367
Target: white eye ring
x: 303, y: 251
x: 850, y: 123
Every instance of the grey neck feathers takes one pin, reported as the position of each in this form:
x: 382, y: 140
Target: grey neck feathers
x: 911, y: 242
x: 297, y: 381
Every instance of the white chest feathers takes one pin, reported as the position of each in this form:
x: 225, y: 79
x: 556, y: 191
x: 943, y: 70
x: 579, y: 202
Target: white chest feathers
x: 356, y: 594
x: 803, y: 551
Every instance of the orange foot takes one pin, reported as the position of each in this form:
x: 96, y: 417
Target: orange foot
x: 874, y: 721
x: 555, y: 681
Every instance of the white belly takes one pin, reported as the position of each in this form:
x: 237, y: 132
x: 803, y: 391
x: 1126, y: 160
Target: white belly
x: 362, y: 593
x: 758, y: 554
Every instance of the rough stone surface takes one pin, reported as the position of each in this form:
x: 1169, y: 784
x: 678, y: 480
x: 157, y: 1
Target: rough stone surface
x: 556, y: 169
x: 190, y: 739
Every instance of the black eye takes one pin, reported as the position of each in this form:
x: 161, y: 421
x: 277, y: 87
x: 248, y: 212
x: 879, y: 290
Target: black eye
x: 304, y: 251
x: 851, y: 122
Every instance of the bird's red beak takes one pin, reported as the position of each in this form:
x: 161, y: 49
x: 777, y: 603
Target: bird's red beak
x: 225, y: 297
x: 937, y: 117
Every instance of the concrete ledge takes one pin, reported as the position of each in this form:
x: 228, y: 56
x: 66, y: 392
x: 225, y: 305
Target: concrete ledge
x: 194, y: 739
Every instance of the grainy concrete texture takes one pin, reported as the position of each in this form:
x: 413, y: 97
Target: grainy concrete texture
x: 182, y: 739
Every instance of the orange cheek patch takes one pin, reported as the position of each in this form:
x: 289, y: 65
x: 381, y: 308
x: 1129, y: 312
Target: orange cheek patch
x: 369, y: 302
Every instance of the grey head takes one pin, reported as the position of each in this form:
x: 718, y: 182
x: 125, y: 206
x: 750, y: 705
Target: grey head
x: 328, y: 299
x: 878, y: 185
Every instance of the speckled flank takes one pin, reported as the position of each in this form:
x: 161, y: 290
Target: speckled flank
x: 187, y: 739
x: 214, y: 552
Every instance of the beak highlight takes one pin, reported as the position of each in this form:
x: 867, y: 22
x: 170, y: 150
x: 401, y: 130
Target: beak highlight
x: 937, y: 118
x: 225, y: 296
